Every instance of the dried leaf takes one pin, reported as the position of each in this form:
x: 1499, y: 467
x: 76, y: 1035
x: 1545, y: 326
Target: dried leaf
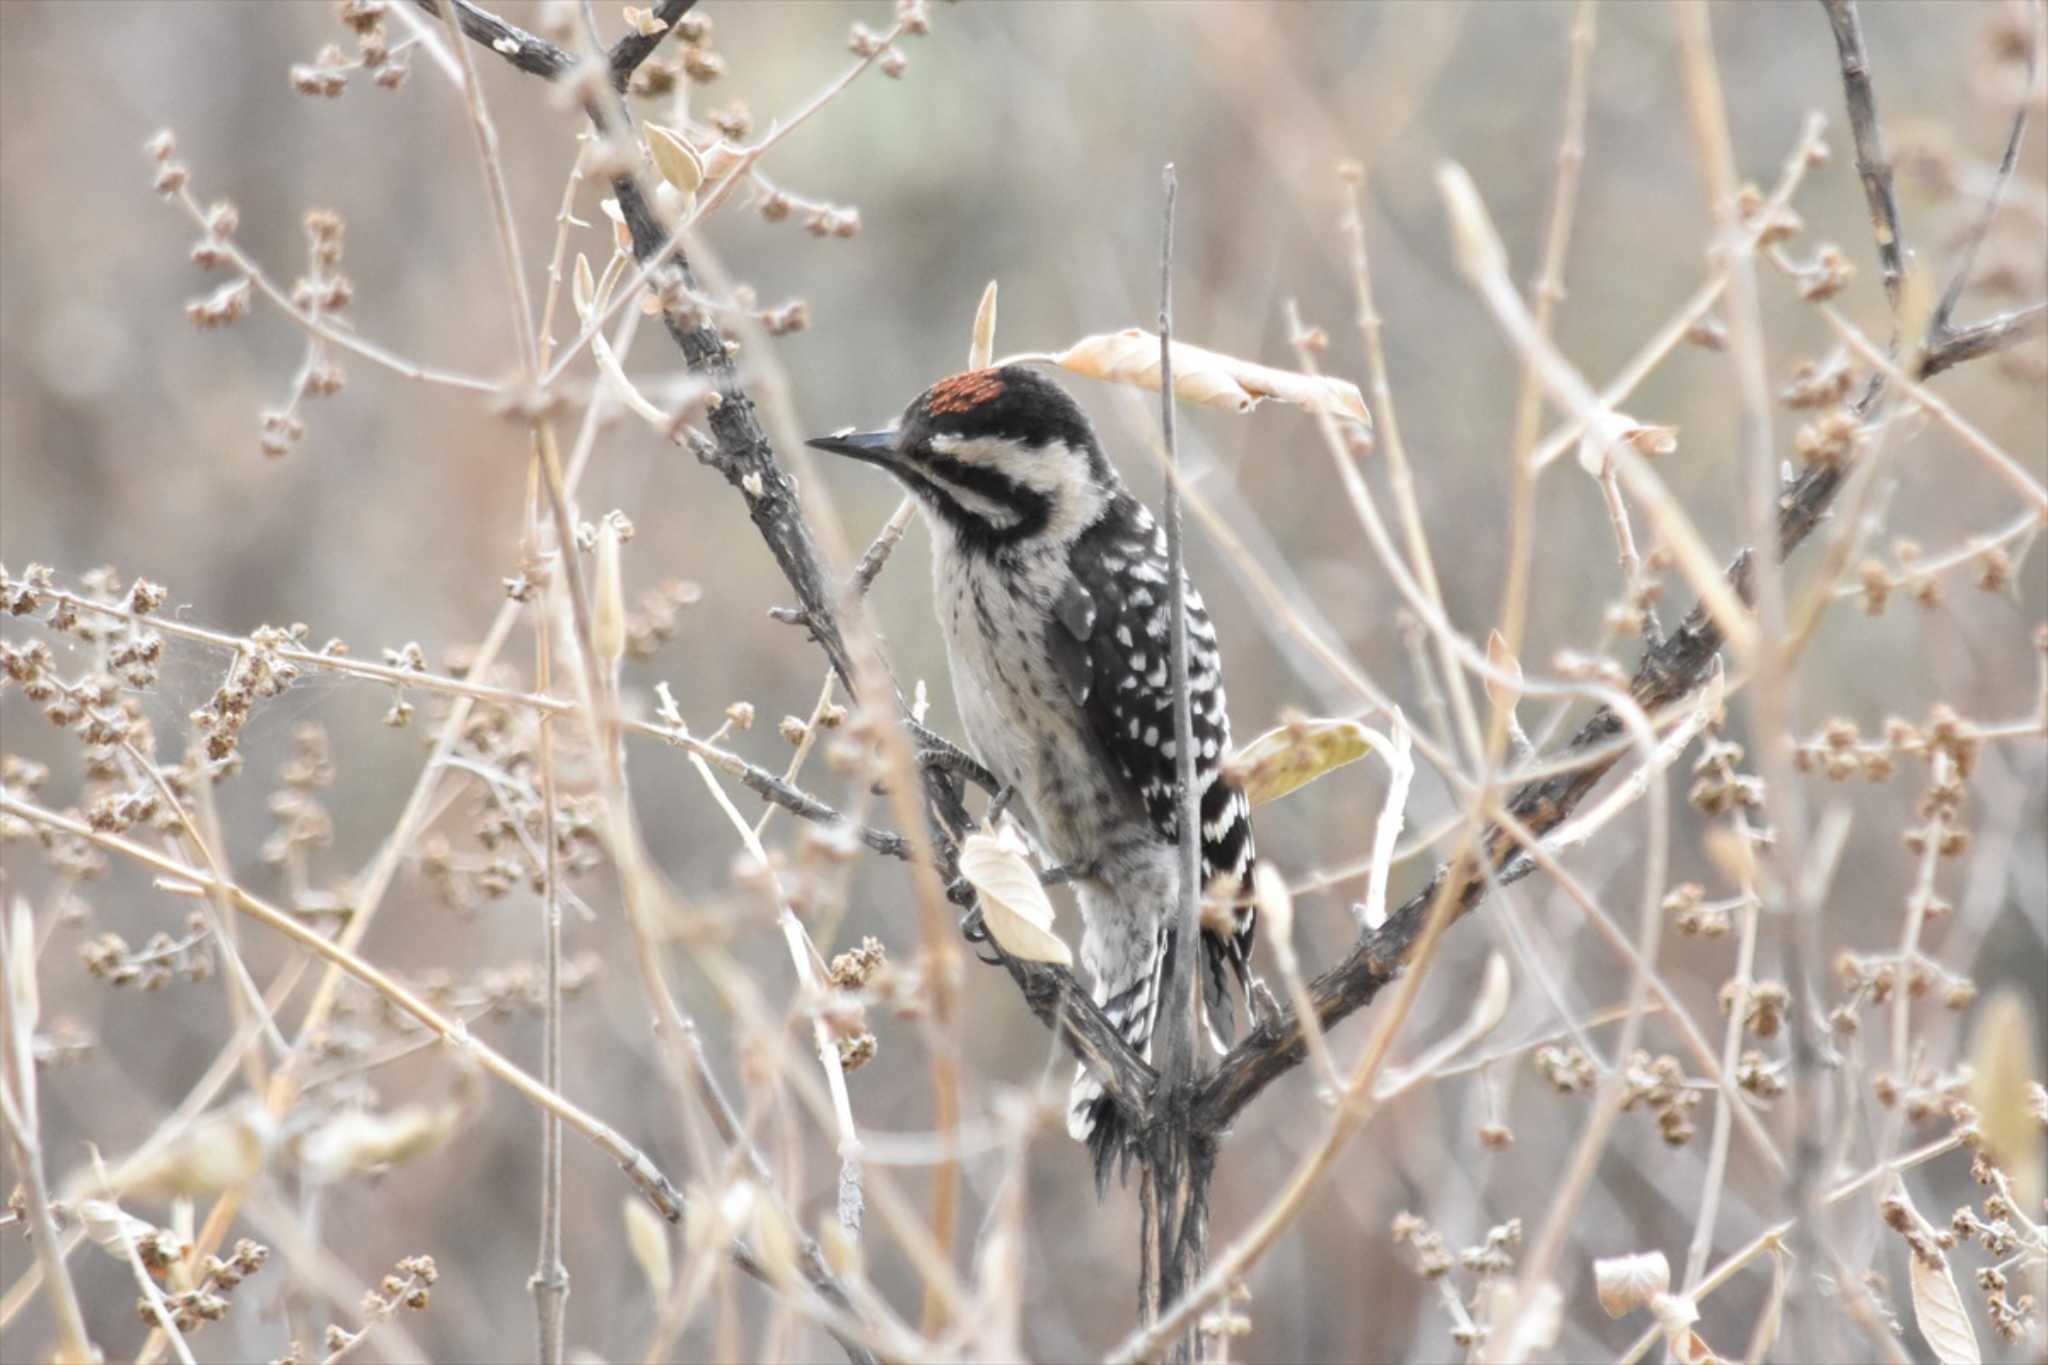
x: 608, y: 625
x: 984, y: 344
x: 1676, y: 1313
x: 583, y: 288
x: 615, y: 268
x: 722, y: 159
x: 358, y: 1142
x: 1497, y: 654
x: 1013, y: 901
x: 1938, y: 1309
x: 1297, y: 752
x: 622, y: 235
x: 645, y: 22
x: 775, y: 1242
x: 647, y: 1236
x: 1626, y: 1283
x: 1690, y: 1348
x: 22, y: 999
x: 1492, y: 1005
x: 1517, y: 1328
x: 2002, y: 1072
x: 1613, y: 427
x: 675, y: 158
x: 1209, y: 377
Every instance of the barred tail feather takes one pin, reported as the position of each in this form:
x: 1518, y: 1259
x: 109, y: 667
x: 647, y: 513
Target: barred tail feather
x: 1132, y: 1006
x: 1217, y: 1010
x: 1227, y: 948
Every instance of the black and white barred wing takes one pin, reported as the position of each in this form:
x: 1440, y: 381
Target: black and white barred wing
x: 1116, y: 662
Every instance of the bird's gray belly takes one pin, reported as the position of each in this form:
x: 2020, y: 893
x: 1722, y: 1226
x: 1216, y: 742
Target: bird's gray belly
x: 1026, y: 729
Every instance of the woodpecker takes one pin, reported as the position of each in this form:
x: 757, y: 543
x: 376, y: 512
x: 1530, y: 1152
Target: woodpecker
x: 1051, y: 587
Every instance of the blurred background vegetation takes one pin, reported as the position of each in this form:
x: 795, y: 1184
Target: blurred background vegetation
x: 1022, y: 144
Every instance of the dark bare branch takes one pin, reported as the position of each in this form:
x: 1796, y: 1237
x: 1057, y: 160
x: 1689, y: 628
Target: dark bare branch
x: 1983, y: 338
x: 630, y: 51
x: 536, y: 56
x: 529, y: 52
x: 1873, y: 167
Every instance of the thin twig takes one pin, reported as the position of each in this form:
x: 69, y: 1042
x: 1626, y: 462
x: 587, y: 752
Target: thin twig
x: 2002, y: 463
x: 1984, y: 338
x: 1805, y: 155
x: 1939, y: 330
x: 813, y: 997
x: 638, y: 1168
x: 1400, y: 478
x: 317, y: 326
x: 1549, y: 291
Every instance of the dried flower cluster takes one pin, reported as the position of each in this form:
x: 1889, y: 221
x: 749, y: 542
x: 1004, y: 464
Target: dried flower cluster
x: 212, y: 1296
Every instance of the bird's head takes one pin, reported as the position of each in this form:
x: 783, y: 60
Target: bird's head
x: 998, y: 457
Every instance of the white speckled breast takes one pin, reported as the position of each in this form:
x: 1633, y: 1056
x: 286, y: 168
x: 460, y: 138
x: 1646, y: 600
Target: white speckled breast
x: 1019, y: 718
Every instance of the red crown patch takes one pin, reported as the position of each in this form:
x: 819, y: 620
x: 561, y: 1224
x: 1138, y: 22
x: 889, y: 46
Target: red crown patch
x: 962, y: 392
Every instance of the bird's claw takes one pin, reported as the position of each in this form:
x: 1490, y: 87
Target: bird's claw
x: 1067, y: 872
x: 974, y: 928
x: 1259, y: 1000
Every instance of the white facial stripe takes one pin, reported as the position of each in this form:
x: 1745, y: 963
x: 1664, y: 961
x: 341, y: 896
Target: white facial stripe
x: 975, y: 503
x: 1056, y: 470
x: 975, y: 451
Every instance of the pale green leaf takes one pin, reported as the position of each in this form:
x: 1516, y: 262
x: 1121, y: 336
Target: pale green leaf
x: 1297, y: 752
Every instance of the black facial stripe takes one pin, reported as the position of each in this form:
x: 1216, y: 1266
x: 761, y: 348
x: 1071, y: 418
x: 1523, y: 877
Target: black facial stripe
x: 1031, y: 508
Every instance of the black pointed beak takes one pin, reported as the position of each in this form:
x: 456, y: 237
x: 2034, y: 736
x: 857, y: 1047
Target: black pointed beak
x: 875, y: 447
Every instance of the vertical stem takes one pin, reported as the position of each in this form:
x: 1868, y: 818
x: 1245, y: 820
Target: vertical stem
x: 1180, y: 1160
x: 21, y: 1122
x: 1731, y: 1052
x: 1177, y: 1008
x: 550, y: 1283
x: 550, y: 1280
